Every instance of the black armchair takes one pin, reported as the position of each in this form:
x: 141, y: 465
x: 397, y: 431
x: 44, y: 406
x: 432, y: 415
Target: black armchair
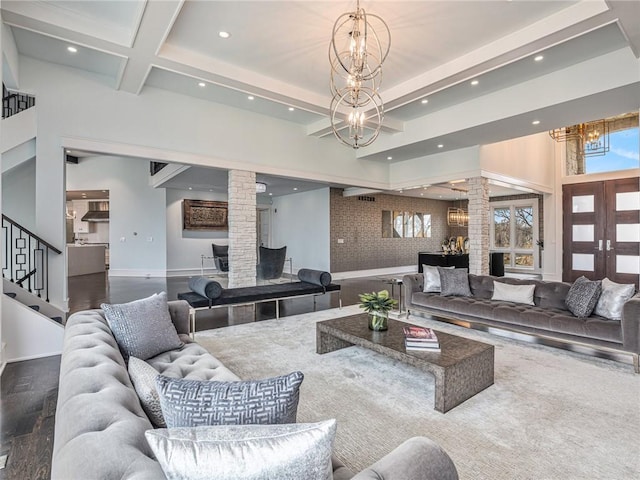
x: 221, y: 257
x: 271, y: 262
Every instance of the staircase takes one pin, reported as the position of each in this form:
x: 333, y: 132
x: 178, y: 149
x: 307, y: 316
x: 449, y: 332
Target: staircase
x: 31, y: 326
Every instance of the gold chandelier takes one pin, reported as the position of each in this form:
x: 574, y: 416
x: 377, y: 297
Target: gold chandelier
x: 592, y: 137
x: 356, y: 55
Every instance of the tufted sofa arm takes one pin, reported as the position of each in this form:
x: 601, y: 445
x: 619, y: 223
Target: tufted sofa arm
x: 179, y: 311
x: 416, y: 459
x: 412, y: 283
x: 631, y: 325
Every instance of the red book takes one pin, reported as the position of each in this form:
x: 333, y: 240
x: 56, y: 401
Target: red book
x: 419, y: 334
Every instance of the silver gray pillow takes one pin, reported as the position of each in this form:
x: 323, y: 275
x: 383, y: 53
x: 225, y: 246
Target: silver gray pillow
x: 246, y: 452
x: 612, y: 299
x: 192, y: 403
x: 142, y: 328
x: 143, y: 376
x: 432, y: 278
x: 454, y: 282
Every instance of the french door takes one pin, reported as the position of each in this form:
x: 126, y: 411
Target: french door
x: 602, y: 230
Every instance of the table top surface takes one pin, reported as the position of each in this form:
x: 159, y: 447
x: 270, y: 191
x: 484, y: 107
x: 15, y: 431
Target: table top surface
x: 355, y: 329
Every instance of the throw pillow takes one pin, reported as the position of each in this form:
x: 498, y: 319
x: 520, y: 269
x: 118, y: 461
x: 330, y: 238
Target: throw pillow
x: 143, y: 328
x: 513, y: 293
x: 191, y: 403
x: 143, y: 376
x: 431, y: 278
x: 454, y: 282
x: 246, y: 452
x: 612, y: 299
x: 583, y: 296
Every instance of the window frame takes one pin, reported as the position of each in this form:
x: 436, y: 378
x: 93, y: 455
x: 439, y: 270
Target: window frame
x: 535, y: 251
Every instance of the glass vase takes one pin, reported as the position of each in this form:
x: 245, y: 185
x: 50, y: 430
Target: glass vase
x: 378, y: 321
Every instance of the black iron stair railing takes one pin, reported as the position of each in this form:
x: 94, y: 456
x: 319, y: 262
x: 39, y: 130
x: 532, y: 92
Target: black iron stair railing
x: 25, y: 259
x: 15, y: 102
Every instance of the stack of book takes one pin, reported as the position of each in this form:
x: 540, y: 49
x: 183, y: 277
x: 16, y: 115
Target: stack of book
x: 420, y: 338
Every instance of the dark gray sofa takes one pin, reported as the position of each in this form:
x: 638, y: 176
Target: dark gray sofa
x: 548, y: 319
x: 100, y: 424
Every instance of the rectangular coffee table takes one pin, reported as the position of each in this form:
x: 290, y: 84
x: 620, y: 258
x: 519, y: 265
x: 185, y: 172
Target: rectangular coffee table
x: 463, y: 367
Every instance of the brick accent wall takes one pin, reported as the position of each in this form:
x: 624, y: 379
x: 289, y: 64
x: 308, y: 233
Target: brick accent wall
x: 478, y: 226
x: 242, y: 228
x: 359, y: 224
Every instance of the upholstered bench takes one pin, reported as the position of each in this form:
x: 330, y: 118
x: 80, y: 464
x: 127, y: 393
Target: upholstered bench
x: 207, y: 293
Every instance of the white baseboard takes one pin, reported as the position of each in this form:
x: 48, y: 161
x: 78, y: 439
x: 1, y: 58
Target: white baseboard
x: 34, y: 357
x: 147, y: 273
x: 375, y: 272
x: 191, y: 272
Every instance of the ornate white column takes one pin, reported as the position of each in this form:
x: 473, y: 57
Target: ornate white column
x: 242, y: 229
x: 479, y: 226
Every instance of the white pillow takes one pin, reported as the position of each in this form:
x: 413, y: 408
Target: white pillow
x: 431, y: 279
x: 513, y: 293
x: 245, y: 452
x: 612, y: 299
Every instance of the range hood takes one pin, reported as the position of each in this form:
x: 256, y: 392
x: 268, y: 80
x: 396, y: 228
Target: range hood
x: 98, y: 212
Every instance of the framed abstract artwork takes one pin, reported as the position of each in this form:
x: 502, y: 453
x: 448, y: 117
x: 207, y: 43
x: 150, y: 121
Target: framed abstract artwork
x: 204, y: 215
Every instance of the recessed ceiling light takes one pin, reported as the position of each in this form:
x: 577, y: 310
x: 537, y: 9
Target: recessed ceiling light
x: 474, y: 82
x: 190, y: 188
x: 440, y: 145
x: 72, y: 49
x: 250, y: 97
x: 270, y: 193
x: 422, y: 194
x: 224, y: 34
x: 202, y: 84
x: 535, y: 122
x: 539, y: 58
x: 211, y: 189
x: 424, y: 101
x: 295, y: 189
x: 389, y: 158
x: 84, y: 194
x: 291, y: 109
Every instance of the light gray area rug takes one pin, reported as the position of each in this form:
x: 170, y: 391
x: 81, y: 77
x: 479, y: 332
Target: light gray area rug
x: 551, y: 414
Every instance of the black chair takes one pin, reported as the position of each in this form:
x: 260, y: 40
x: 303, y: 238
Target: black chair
x: 221, y: 257
x: 271, y: 262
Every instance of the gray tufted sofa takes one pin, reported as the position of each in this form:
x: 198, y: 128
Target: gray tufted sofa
x: 100, y: 425
x: 547, y: 319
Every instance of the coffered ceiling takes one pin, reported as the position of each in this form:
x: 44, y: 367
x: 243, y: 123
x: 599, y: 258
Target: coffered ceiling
x: 275, y: 61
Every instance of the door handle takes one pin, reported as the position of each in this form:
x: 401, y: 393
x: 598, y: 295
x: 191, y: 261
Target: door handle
x: 609, y: 247
x: 599, y: 247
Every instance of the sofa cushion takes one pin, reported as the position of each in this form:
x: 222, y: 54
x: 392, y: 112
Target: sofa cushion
x: 283, y: 452
x: 612, y: 299
x: 143, y: 376
x: 143, y: 328
x: 454, y: 282
x: 583, y: 296
x: 191, y: 403
x: 432, y: 278
x: 513, y: 293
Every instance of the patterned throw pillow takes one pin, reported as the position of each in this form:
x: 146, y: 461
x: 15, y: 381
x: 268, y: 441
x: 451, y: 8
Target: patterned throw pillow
x: 454, y: 282
x: 142, y: 328
x: 284, y: 452
x: 192, y: 403
x: 612, y: 299
x: 143, y: 376
x: 583, y: 296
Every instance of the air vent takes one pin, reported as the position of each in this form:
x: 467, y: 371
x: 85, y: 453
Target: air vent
x: 365, y: 198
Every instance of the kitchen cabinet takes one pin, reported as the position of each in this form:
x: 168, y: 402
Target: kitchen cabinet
x: 85, y: 259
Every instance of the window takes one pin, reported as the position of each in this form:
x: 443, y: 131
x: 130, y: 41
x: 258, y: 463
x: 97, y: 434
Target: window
x: 514, y: 232
x: 622, y: 154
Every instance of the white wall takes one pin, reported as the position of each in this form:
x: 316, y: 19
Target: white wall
x: 528, y: 161
x: 441, y: 167
x: 136, y: 212
x: 184, y: 247
x: 18, y: 194
x: 301, y: 222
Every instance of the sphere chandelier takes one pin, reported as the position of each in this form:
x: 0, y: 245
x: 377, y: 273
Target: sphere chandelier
x: 356, y: 54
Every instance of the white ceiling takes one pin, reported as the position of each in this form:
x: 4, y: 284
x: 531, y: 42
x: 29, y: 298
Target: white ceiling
x: 278, y: 53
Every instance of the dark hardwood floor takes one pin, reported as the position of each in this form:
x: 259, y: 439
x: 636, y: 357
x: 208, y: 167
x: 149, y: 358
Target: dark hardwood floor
x: 29, y: 389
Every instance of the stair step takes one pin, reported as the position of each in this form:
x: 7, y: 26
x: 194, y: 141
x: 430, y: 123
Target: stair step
x: 10, y: 294
x: 57, y: 319
x: 35, y: 307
